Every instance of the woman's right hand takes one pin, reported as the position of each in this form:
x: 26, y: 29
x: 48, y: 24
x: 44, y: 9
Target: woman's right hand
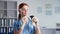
x: 24, y: 19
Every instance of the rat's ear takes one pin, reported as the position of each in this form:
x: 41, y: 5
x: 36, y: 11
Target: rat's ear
x: 31, y: 16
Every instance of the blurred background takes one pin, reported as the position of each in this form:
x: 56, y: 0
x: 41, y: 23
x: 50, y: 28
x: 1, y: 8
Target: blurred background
x: 47, y: 11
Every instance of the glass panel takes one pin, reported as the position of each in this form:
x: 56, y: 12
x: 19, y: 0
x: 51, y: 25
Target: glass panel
x: 48, y: 12
x: 3, y: 13
x: 11, y: 13
x: 11, y: 5
x: 3, y: 5
x: 57, y: 9
x: 39, y: 10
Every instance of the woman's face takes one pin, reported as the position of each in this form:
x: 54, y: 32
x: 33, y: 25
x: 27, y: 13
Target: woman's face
x: 23, y: 10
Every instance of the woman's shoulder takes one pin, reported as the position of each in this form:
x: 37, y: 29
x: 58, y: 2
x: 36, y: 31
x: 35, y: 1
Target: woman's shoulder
x: 16, y: 21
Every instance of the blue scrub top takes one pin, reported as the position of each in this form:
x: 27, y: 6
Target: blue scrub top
x: 28, y: 29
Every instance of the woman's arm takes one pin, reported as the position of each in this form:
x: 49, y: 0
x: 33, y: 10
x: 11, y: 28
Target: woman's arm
x: 20, y: 30
x: 37, y: 30
x: 15, y: 32
x: 24, y: 21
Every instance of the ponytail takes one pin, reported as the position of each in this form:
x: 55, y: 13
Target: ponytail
x: 19, y: 16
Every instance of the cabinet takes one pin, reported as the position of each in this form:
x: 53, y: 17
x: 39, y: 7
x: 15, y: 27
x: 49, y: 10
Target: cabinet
x: 48, y: 31
x: 8, y: 14
x: 8, y: 9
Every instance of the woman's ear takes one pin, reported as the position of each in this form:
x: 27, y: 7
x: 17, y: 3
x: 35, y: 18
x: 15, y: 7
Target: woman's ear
x: 19, y: 11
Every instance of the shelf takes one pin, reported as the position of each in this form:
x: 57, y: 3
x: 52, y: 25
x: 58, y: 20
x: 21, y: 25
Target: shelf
x: 8, y: 14
x: 8, y: 9
x: 6, y: 26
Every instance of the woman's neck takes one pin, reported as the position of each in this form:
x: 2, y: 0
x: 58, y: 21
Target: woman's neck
x: 22, y: 16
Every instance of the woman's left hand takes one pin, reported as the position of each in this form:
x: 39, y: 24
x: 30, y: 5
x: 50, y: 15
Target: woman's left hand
x: 35, y: 21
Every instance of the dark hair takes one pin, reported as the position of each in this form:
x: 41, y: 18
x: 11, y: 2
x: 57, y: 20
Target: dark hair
x: 19, y: 7
x: 31, y: 16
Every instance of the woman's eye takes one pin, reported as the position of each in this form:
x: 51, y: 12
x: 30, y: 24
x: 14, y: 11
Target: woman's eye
x: 23, y: 9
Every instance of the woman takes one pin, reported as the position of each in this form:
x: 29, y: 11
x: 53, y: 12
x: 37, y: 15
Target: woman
x: 24, y: 25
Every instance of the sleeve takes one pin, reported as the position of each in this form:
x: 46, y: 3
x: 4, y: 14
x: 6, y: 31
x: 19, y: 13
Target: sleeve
x: 17, y: 25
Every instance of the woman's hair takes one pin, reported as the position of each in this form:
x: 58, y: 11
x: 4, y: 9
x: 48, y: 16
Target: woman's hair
x: 31, y: 16
x: 19, y: 7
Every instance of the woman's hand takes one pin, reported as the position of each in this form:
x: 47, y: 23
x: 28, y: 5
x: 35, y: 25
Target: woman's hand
x: 35, y: 21
x: 25, y: 19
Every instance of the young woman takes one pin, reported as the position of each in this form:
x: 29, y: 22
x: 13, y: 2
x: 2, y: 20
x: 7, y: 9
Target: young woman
x: 24, y: 25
